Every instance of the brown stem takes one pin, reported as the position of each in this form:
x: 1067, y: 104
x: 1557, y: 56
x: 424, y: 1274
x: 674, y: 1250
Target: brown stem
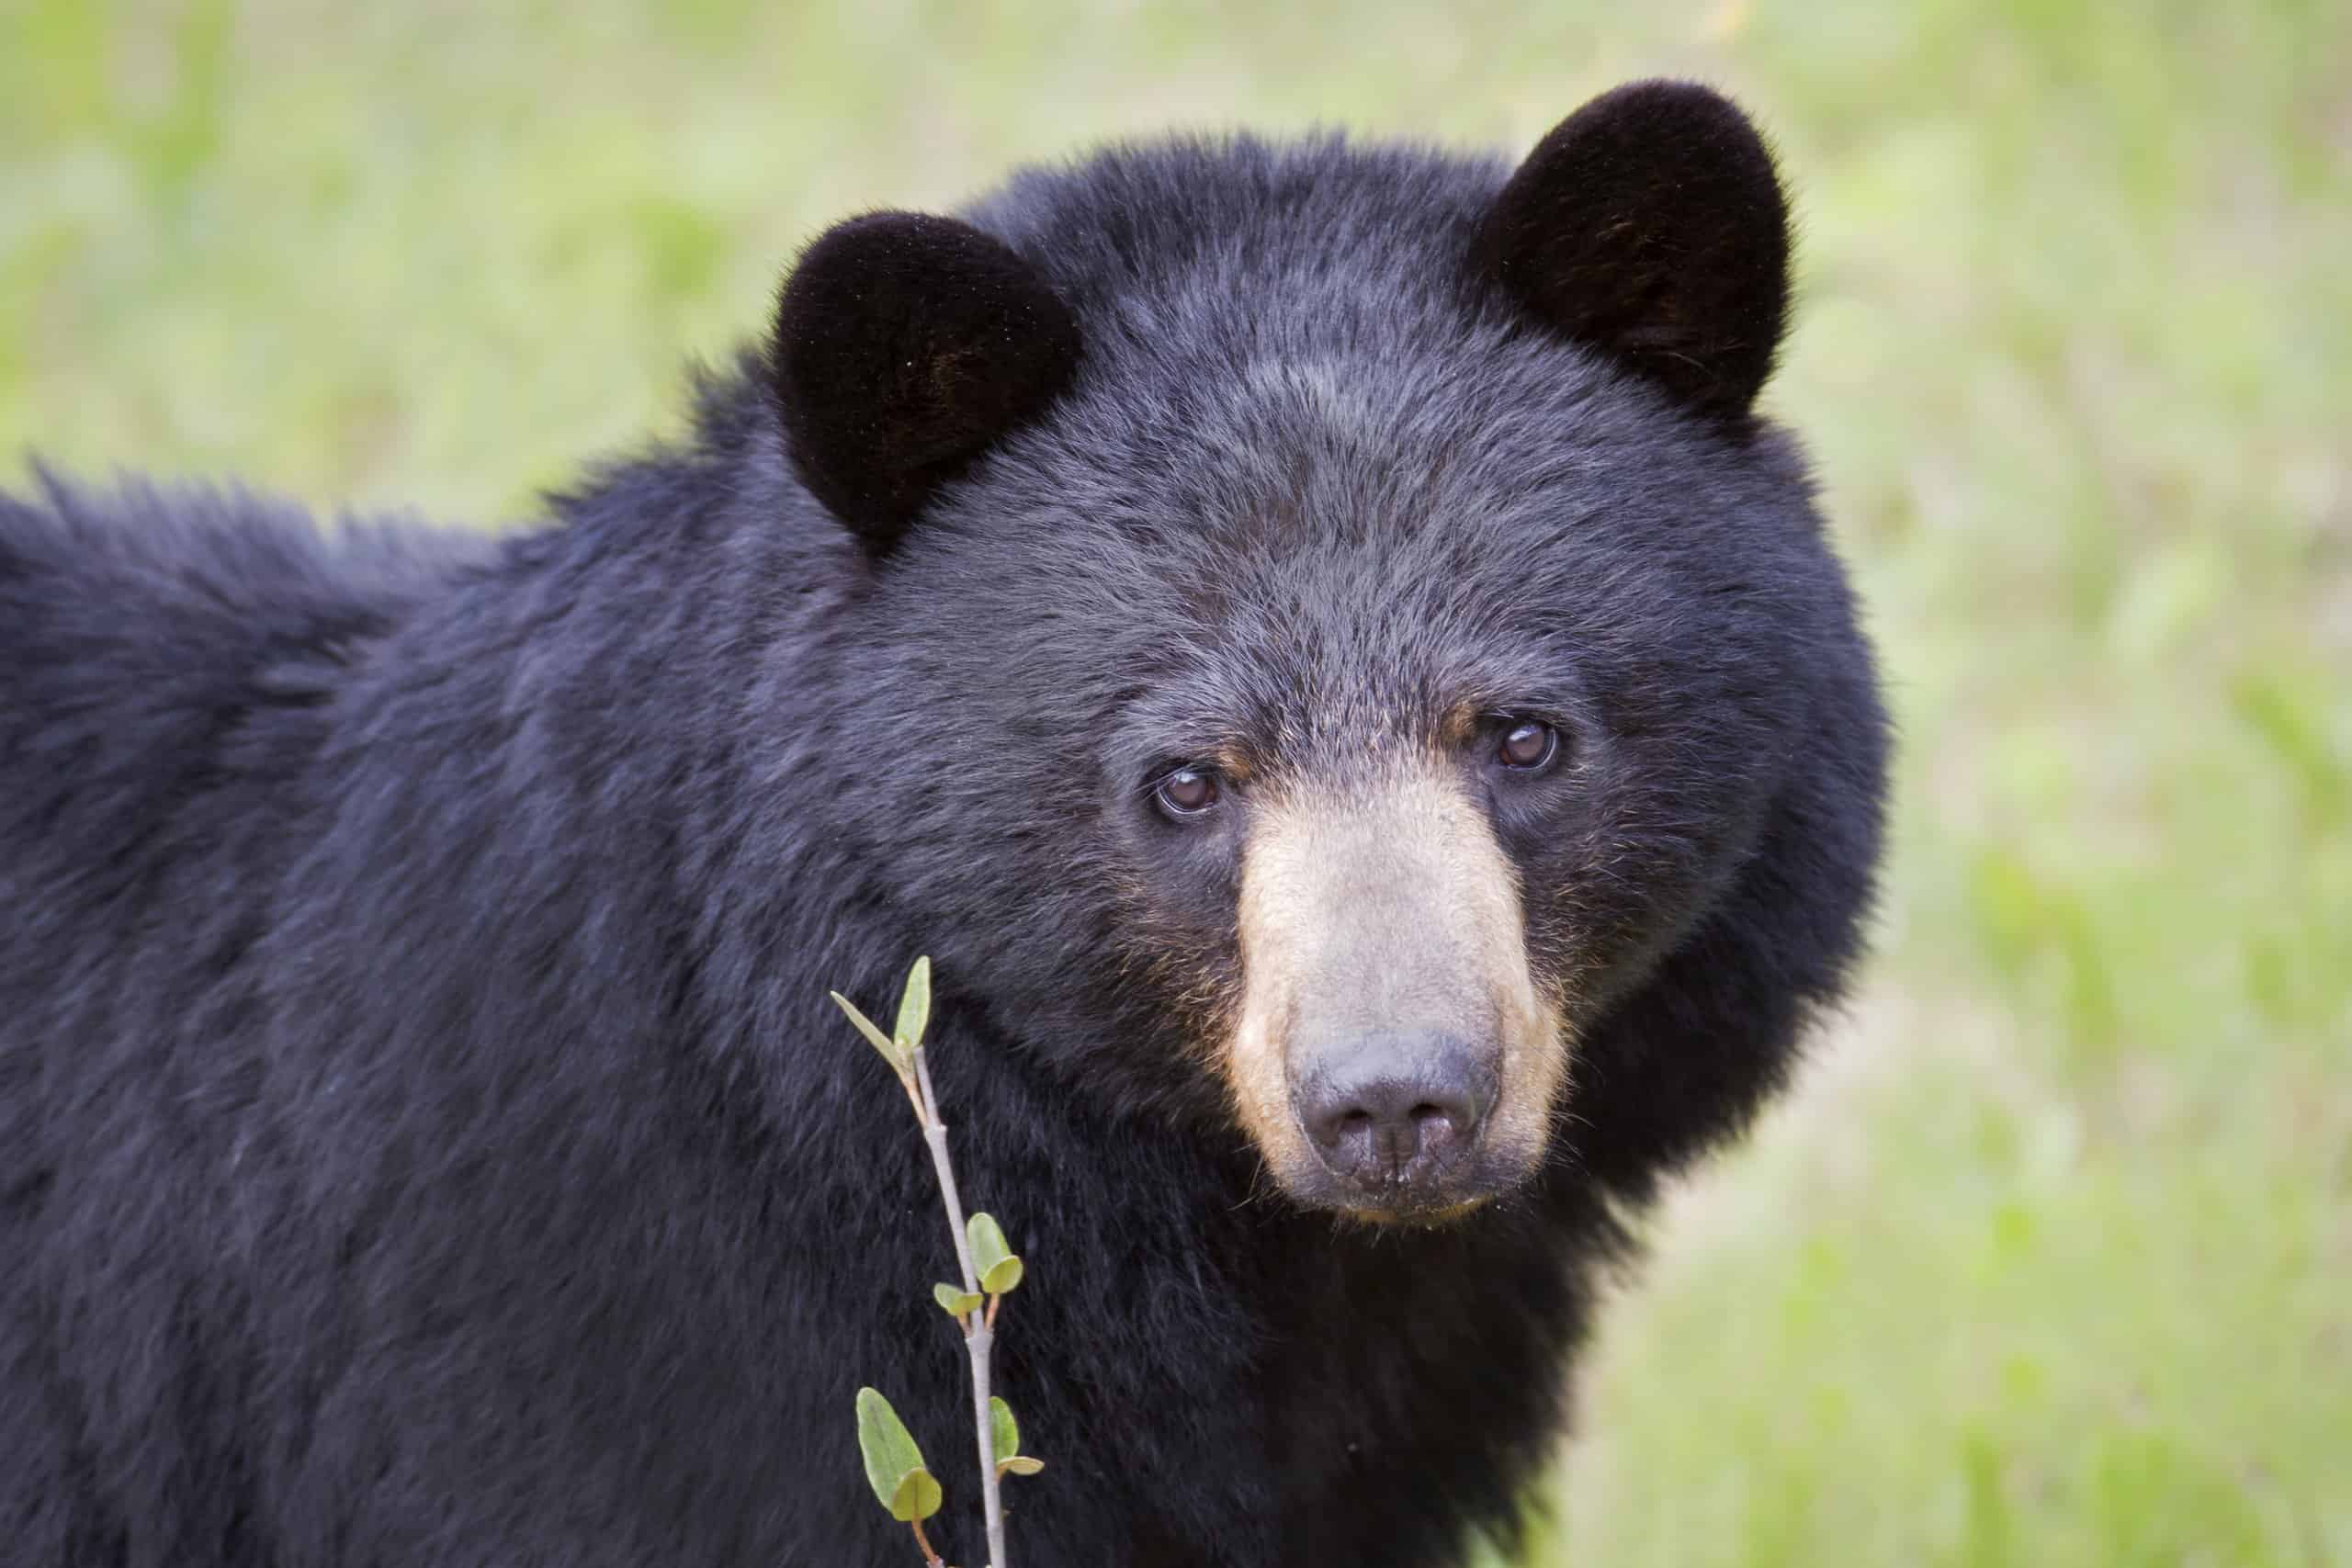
x: 930, y: 1558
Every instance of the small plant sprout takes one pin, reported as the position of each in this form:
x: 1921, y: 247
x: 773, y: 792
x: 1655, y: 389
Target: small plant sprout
x: 894, y: 1467
x: 991, y: 1270
x: 1004, y: 1435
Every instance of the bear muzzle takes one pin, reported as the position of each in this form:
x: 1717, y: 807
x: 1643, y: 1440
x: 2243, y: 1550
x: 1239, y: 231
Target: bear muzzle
x: 1394, y: 1057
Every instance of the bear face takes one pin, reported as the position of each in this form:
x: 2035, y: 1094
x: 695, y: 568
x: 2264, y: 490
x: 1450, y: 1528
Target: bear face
x: 1375, y: 623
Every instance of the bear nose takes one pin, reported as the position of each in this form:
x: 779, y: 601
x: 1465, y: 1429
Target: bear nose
x: 1391, y: 1117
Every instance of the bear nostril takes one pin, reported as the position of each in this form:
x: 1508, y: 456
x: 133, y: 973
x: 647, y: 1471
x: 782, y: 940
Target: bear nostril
x: 1396, y: 1127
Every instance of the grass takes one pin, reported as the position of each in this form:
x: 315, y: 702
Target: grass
x: 2049, y: 1262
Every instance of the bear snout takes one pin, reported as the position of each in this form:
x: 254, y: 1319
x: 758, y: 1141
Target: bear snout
x: 1392, y: 1055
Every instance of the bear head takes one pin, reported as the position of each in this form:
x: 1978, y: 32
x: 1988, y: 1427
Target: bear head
x: 1323, y: 621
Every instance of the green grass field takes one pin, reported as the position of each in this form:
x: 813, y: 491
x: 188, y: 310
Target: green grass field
x: 2050, y: 1261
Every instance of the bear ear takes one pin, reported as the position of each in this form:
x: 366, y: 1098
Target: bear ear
x: 905, y: 345
x: 1650, y: 225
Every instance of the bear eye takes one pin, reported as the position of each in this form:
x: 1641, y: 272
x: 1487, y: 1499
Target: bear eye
x: 1187, y: 792
x: 1526, y: 744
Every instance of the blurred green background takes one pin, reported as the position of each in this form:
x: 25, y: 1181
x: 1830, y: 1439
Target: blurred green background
x: 2049, y: 1261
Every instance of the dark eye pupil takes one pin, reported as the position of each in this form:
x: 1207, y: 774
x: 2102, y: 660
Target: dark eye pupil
x: 1188, y: 790
x: 1527, y: 746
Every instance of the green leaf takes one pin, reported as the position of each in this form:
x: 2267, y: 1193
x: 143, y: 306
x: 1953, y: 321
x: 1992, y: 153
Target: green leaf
x: 901, y: 1062
x: 917, y: 1497
x: 996, y: 1263
x: 956, y: 1302
x: 988, y: 1240
x: 1004, y: 1442
x: 1004, y: 1432
x: 894, y: 1466
x: 914, y: 1007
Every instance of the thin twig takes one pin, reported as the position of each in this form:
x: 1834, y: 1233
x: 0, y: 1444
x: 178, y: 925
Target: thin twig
x: 980, y: 1328
x: 935, y: 1132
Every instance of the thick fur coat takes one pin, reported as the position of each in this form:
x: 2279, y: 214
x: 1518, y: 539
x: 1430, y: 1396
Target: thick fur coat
x: 424, y: 1138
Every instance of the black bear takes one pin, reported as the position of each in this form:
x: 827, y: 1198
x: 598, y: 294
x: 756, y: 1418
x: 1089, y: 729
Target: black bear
x: 1316, y: 642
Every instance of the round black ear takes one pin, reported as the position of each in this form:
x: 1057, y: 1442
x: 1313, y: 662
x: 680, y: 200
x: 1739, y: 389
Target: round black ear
x: 905, y: 345
x: 1649, y: 225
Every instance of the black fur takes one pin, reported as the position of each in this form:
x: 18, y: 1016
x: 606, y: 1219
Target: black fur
x: 424, y: 1138
x: 905, y: 345
x: 1650, y: 225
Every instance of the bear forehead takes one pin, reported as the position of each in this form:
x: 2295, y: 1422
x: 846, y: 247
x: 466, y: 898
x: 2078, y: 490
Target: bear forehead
x: 1346, y: 533
x: 1406, y: 488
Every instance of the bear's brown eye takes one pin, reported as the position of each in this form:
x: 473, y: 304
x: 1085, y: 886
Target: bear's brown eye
x: 1187, y: 792
x: 1527, y: 744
